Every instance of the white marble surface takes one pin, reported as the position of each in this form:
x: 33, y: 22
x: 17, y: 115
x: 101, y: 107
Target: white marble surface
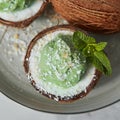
x: 10, y: 110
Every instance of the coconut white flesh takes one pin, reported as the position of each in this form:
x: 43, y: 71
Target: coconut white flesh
x: 22, y: 14
x: 48, y: 87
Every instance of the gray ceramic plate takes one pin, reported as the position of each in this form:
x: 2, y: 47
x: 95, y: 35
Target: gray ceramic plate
x: 14, y: 84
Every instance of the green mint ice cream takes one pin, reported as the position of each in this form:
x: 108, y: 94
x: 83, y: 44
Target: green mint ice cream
x: 60, y: 63
x: 14, y: 5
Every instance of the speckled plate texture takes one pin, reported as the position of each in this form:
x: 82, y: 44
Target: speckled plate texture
x: 14, y: 83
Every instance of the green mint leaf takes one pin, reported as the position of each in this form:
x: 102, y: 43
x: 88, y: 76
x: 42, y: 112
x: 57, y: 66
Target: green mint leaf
x: 92, y: 51
x: 104, y: 63
x: 100, y: 46
x: 80, y: 40
x: 83, y: 37
x: 88, y: 50
x: 98, y: 64
x: 77, y: 42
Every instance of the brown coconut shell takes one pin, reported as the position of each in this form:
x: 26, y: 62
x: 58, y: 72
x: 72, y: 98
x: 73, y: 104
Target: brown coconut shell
x: 93, y: 15
x: 49, y: 95
x: 26, y: 22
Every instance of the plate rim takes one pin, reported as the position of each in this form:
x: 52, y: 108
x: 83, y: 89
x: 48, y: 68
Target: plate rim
x: 67, y: 113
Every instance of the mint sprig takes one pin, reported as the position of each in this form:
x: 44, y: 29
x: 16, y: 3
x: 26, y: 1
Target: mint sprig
x: 92, y: 51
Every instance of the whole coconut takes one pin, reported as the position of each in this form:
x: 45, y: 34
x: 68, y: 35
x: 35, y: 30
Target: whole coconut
x: 93, y: 15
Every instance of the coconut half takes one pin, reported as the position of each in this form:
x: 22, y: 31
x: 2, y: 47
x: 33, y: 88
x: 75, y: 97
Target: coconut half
x: 53, y: 91
x: 23, y: 18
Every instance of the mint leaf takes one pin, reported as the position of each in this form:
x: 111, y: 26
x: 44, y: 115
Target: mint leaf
x: 98, y: 64
x: 100, y: 46
x: 88, y: 50
x: 104, y: 64
x: 83, y: 37
x: 92, y: 51
x: 80, y: 40
x: 77, y: 42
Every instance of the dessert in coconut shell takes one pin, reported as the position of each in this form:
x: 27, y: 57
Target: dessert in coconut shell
x: 57, y: 68
x: 93, y: 15
x: 20, y: 13
x: 63, y: 63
